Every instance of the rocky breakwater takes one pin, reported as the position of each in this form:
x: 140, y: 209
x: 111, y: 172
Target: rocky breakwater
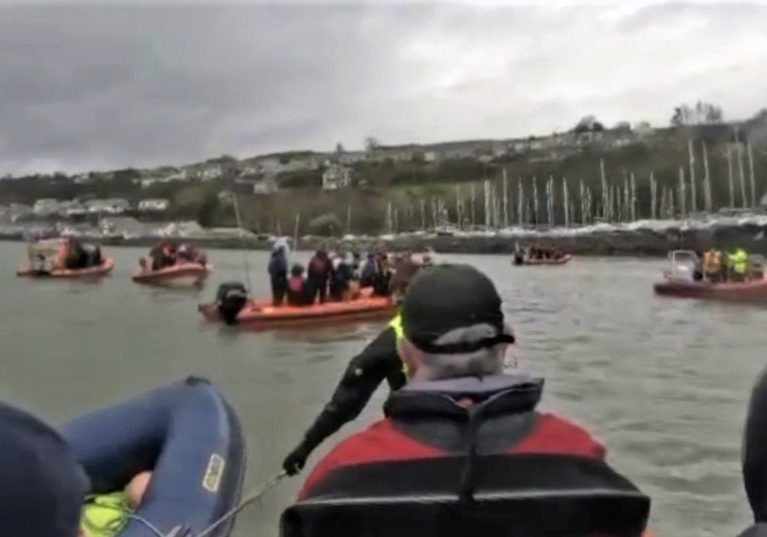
x: 644, y: 238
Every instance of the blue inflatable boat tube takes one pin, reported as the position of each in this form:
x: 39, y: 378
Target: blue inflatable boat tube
x: 187, y: 435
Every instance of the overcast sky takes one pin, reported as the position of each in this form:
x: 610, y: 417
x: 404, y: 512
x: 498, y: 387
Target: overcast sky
x: 95, y: 87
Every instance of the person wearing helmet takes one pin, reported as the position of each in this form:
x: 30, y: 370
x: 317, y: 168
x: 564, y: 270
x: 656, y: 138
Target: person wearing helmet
x: 377, y: 362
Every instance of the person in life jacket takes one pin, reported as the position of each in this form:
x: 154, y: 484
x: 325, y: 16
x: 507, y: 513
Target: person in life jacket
x: 105, y: 515
x: 377, y: 362
x: 318, y: 275
x: 41, y: 484
x: 278, y: 271
x: 340, y: 277
x: 738, y: 264
x: 712, y: 265
x: 460, y: 424
x: 298, y: 292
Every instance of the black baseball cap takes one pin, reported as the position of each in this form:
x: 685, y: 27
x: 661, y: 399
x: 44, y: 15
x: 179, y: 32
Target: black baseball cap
x: 447, y: 297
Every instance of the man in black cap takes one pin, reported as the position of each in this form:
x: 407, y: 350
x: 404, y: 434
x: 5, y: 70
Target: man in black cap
x: 458, y: 408
x: 41, y: 485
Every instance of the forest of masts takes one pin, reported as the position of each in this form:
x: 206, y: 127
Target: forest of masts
x: 556, y: 201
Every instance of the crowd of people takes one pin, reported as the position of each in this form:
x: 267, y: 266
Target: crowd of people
x: 335, y: 276
x: 536, y: 253
x: 63, y: 254
x: 169, y: 253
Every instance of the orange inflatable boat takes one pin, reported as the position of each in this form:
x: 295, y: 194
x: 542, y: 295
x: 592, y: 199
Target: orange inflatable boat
x: 261, y: 313
x: 179, y: 276
x: 91, y: 272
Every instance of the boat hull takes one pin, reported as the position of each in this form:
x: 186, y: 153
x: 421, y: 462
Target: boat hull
x: 261, y: 313
x: 546, y: 262
x: 191, y: 440
x: 69, y: 274
x: 753, y: 291
x: 178, y: 276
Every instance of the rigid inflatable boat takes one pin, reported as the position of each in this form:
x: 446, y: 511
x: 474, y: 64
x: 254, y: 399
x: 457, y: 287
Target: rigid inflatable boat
x: 233, y: 307
x: 180, y: 275
x: 98, y: 271
x: 188, y: 436
x: 679, y: 281
x: 544, y: 262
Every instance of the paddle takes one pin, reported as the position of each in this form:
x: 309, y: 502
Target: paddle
x: 755, y: 457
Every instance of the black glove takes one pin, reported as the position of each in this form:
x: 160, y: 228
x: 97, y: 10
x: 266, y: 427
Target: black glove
x: 296, y: 460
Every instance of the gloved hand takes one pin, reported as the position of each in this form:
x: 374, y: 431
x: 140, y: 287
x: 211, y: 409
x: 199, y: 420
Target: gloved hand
x: 296, y: 460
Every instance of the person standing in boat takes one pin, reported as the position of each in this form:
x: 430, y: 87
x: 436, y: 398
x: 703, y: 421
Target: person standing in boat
x: 278, y: 271
x: 318, y: 275
x: 340, y: 277
x: 738, y: 264
x: 459, y: 411
x: 712, y: 265
x: 298, y: 292
x: 377, y: 362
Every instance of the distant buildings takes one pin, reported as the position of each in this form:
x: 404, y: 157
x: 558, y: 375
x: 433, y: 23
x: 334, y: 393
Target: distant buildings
x: 107, y: 206
x: 46, y: 207
x: 156, y: 205
x: 265, y: 185
x: 336, y: 176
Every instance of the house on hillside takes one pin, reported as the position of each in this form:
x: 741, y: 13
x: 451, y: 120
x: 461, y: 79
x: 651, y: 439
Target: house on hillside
x: 46, y: 207
x: 211, y: 172
x: 588, y: 137
x: 19, y: 211
x: 122, y: 226
x: 398, y: 153
x: 336, y: 176
x: 72, y: 209
x: 348, y: 158
x: 265, y: 185
x: 107, y: 206
x: 153, y: 205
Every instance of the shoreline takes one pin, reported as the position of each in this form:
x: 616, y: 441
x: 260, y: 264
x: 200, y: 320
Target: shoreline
x: 639, y: 239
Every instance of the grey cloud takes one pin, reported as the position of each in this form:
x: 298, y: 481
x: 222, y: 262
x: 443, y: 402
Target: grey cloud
x: 89, y: 86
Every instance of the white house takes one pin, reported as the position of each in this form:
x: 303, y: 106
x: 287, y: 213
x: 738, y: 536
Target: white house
x: 123, y: 226
x: 153, y: 205
x: 265, y: 185
x: 72, y: 208
x: 211, y: 172
x: 336, y: 176
x: 108, y: 206
x: 46, y: 207
x: 19, y: 210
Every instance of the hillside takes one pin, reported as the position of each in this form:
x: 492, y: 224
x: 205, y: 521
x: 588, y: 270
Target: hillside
x: 472, y: 183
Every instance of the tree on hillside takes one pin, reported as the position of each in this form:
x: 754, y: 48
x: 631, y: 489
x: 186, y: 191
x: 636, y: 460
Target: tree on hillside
x: 339, y: 148
x: 589, y: 123
x: 623, y: 126
x: 371, y: 143
x: 700, y: 114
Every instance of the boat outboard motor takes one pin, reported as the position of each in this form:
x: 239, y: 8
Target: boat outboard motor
x: 231, y: 297
x: 755, y: 457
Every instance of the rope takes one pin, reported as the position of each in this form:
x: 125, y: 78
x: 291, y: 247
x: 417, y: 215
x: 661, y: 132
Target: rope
x: 254, y: 496
x: 148, y: 524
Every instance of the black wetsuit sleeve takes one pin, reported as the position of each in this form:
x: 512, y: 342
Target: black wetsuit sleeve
x: 365, y: 372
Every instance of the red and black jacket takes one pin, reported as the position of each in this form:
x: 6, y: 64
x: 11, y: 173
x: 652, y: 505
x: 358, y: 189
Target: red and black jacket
x: 468, y: 457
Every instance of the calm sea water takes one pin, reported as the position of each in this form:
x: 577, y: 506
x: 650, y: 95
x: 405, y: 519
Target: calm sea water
x: 663, y: 382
